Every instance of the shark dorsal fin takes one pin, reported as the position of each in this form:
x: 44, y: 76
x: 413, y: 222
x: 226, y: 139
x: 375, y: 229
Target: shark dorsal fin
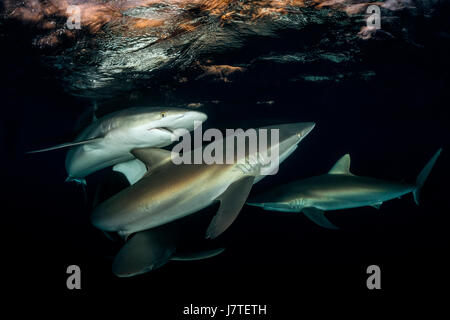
x: 342, y: 166
x: 152, y: 157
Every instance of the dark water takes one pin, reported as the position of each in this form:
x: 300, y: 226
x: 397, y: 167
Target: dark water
x: 386, y: 105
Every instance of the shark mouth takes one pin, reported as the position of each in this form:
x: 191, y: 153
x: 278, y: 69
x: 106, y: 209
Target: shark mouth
x: 163, y: 129
x: 170, y: 131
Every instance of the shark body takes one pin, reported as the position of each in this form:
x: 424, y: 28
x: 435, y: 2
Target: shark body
x: 109, y: 140
x: 336, y: 190
x: 169, y: 191
x: 141, y: 214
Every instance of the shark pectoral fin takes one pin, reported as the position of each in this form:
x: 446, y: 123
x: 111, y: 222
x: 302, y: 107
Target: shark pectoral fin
x: 133, y: 170
x: 152, y: 157
x: 199, y: 255
x: 145, y: 251
x: 317, y: 216
x: 68, y: 144
x: 231, y: 202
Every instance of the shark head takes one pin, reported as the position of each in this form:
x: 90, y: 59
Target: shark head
x: 289, y: 136
x: 171, y: 119
x: 110, y: 139
x: 154, y: 127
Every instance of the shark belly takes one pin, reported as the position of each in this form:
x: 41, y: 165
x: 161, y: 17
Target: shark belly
x: 358, y: 200
x: 276, y: 206
x: 113, y: 149
x: 155, y: 217
x: 84, y: 160
x: 160, y: 199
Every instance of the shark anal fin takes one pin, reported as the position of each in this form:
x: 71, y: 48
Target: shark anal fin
x: 317, y: 216
x: 231, y: 202
x: 198, y: 255
x: 145, y: 251
x: 68, y: 144
x: 377, y: 205
x: 423, y: 175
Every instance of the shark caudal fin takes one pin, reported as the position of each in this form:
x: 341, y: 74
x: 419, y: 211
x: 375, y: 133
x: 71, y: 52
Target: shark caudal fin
x: 423, y: 175
x: 197, y: 255
x: 145, y: 251
x: 65, y: 145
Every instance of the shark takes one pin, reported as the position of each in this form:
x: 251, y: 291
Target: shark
x: 109, y: 140
x: 336, y: 190
x: 149, y: 250
x: 170, y: 191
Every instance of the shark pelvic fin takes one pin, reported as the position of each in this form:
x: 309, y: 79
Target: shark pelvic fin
x: 152, y: 157
x: 145, y: 251
x: 231, y: 202
x: 81, y: 181
x: 423, y: 175
x: 198, y: 255
x: 68, y: 144
x: 317, y: 216
x: 342, y: 166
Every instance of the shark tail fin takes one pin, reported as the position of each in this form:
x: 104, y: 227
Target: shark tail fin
x: 145, y: 251
x: 423, y: 175
x: 200, y: 255
x: 65, y: 145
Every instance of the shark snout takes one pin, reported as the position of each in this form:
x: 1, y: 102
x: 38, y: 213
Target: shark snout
x: 179, y: 120
x: 195, y: 115
x: 290, y: 135
x: 294, y: 132
x: 305, y: 128
x: 188, y: 120
x: 298, y: 130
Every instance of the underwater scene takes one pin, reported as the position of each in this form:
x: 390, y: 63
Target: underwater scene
x: 225, y: 158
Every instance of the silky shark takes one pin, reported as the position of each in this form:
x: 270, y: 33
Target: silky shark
x: 168, y: 191
x: 151, y: 249
x: 109, y: 140
x: 338, y: 189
